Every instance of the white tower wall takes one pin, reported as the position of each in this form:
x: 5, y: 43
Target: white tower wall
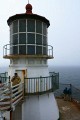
x: 31, y: 68
x: 43, y: 107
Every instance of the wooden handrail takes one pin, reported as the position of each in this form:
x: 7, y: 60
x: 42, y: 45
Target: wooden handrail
x: 10, y: 95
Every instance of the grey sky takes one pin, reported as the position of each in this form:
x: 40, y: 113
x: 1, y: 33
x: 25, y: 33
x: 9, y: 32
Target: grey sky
x: 63, y: 33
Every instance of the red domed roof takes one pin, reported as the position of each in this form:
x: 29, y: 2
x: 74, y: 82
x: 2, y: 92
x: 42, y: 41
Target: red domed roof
x: 28, y: 8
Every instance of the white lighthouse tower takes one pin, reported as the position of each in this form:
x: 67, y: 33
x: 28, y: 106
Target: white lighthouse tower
x: 29, y: 49
x: 29, y: 52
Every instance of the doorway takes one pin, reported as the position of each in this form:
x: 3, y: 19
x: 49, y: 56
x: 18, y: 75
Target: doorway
x: 22, y: 74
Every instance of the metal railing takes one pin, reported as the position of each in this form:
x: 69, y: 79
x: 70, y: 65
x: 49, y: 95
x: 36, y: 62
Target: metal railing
x: 3, y: 77
x: 8, y: 48
x: 41, y: 85
x: 10, y: 96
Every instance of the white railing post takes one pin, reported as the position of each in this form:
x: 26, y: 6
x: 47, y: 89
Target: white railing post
x: 10, y: 98
x: 10, y: 92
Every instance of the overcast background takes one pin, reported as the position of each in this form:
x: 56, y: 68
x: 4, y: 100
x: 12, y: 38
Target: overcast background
x: 63, y: 33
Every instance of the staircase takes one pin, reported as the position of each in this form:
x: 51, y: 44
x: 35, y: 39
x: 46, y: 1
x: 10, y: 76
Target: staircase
x: 10, y: 96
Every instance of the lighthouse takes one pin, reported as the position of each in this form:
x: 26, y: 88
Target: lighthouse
x: 29, y: 52
x: 29, y: 49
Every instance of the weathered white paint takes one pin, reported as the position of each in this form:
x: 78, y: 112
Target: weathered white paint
x: 35, y: 68
x: 43, y: 107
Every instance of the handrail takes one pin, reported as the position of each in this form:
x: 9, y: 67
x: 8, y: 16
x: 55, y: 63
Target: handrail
x: 41, y: 85
x: 10, y: 96
x: 7, y: 47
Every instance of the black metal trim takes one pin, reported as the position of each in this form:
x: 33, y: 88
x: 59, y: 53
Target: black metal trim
x: 26, y: 16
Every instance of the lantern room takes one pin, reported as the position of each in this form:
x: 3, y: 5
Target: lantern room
x: 28, y: 36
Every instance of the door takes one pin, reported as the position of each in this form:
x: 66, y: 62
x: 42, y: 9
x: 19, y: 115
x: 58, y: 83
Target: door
x: 22, y: 74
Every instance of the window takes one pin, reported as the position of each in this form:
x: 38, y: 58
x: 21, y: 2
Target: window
x: 22, y: 38
x: 38, y: 39
x: 22, y: 25
x: 30, y: 38
x: 38, y: 27
x: 30, y: 25
x: 11, y: 27
x: 44, y: 29
x: 22, y: 49
x: 44, y: 51
x: 11, y: 39
x: 15, y: 39
x: 38, y: 50
x: 44, y: 40
x: 30, y: 50
x: 15, y: 49
x: 15, y: 26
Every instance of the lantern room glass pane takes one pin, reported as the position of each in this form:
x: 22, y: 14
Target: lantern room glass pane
x: 22, y: 25
x: 44, y: 51
x: 15, y: 39
x: 22, y: 38
x: 11, y: 39
x: 38, y: 26
x: 38, y: 39
x: 30, y: 50
x: 15, y: 26
x: 44, y: 29
x: 44, y: 40
x: 30, y: 25
x: 30, y: 38
x: 11, y: 29
x: 15, y: 50
x: 22, y: 49
x: 38, y: 50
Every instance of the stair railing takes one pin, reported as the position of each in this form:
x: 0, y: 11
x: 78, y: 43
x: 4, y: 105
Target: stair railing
x: 10, y: 95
